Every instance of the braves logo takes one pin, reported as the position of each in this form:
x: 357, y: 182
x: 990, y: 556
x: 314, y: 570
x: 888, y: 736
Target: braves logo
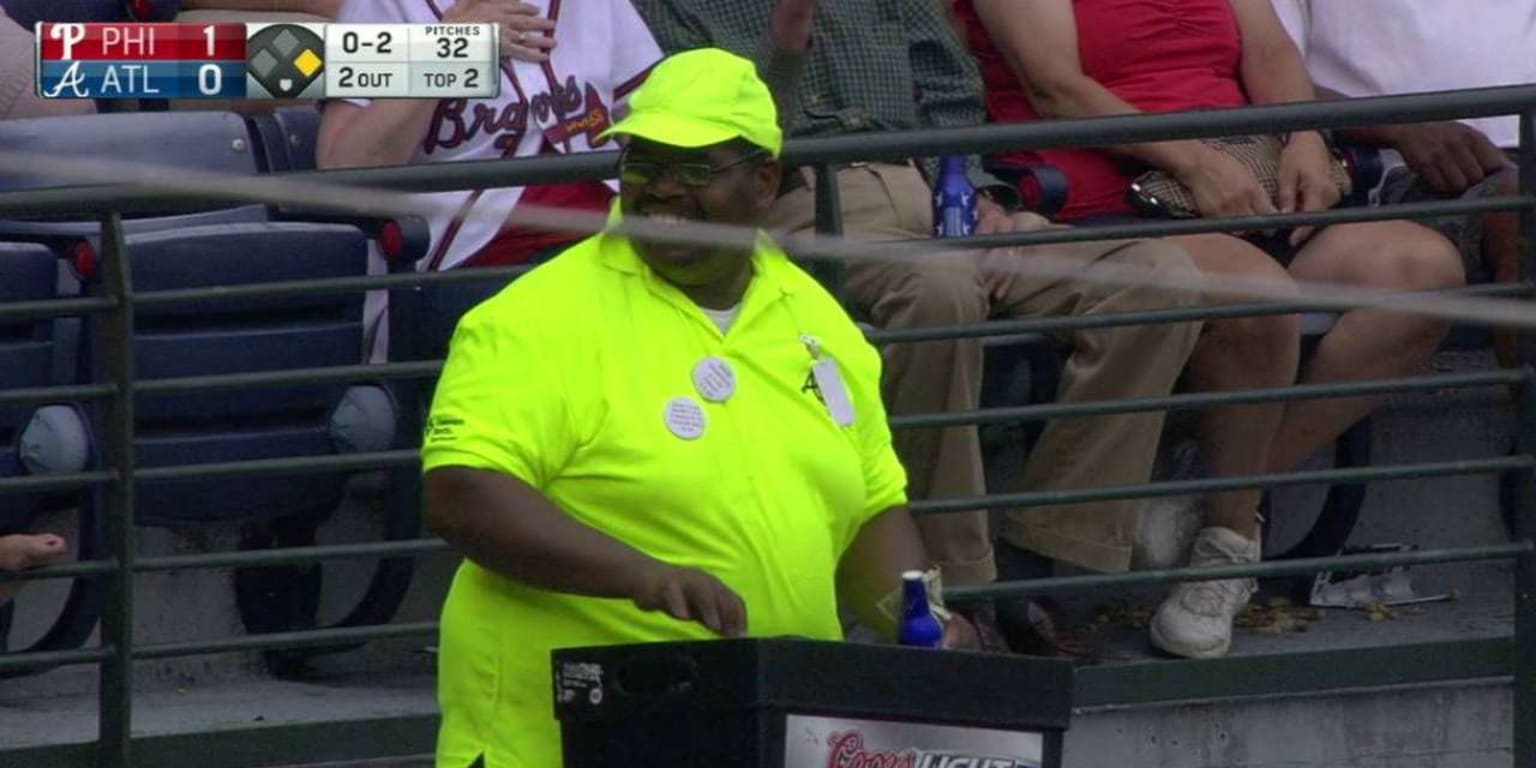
x: 458, y: 121
x: 451, y: 128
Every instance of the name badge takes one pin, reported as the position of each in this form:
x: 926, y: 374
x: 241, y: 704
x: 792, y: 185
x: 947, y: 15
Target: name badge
x: 833, y: 391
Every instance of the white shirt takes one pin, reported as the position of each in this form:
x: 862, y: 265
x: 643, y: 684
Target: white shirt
x: 723, y: 318
x: 605, y: 49
x: 1388, y: 47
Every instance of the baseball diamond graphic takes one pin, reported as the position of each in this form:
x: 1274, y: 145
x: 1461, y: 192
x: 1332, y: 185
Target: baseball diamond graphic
x: 285, y: 60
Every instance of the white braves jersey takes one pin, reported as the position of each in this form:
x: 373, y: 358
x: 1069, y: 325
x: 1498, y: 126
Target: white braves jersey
x: 604, y: 50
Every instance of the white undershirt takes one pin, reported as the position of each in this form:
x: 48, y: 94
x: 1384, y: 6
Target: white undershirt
x: 723, y: 317
x: 1387, y: 47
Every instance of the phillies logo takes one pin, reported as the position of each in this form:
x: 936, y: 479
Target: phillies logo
x: 848, y: 751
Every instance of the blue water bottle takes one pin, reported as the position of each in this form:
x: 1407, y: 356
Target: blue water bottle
x: 918, y: 627
x: 954, y: 200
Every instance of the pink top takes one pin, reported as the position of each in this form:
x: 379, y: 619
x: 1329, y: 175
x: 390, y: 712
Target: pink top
x: 1157, y: 55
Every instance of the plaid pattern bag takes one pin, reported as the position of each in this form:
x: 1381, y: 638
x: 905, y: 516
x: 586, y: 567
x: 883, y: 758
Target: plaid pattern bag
x: 1158, y: 192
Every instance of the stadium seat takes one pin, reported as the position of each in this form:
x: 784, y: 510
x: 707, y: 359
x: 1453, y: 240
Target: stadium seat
x: 242, y: 244
x: 285, y: 139
x: 40, y: 439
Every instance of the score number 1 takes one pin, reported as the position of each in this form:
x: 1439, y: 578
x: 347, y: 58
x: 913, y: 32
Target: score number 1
x: 210, y: 78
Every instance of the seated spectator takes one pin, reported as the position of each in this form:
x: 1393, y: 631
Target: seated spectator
x: 21, y: 551
x: 1356, y: 49
x: 566, y: 79
x: 18, y: 78
x: 1084, y: 58
x: 861, y: 64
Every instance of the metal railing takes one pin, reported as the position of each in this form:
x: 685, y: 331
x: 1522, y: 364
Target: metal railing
x: 1515, y: 656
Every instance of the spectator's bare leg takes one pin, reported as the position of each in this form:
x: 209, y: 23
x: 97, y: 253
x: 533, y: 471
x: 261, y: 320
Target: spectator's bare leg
x: 1233, y: 354
x: 21, y: 551
x: 1365, y: 343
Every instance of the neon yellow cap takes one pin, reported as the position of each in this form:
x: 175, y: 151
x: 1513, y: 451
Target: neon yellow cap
x: 701, y: 97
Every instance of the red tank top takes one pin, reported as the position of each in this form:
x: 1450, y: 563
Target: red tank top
x: 1157, y: 55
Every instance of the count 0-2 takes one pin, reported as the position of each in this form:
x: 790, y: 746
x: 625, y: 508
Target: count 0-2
x: 351, y: 42
x: 350, y: 79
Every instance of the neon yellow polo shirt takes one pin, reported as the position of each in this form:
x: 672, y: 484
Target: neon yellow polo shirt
x: 565, y: 380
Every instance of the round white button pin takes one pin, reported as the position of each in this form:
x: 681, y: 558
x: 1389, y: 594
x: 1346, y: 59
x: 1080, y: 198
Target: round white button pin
x: 685, y: 418
x: 714, y: 379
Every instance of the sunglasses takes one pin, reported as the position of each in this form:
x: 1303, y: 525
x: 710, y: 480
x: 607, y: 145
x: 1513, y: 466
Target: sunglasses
x: 643, y: 172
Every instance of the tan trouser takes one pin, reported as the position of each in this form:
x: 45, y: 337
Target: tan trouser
x: 886, y: 202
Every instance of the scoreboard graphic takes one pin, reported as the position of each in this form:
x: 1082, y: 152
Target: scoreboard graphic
x: 268, y: 61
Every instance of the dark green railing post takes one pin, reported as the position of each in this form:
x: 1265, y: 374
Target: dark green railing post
x: 1524, y: 499
x: 116, y: 688
x: 829, y: 221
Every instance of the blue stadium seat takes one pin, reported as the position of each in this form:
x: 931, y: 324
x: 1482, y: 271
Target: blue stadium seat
x: 41, y: 439
x: 27, y: 273
x: 243, y: 336
x: 285, y: 138
x: 241, y: 244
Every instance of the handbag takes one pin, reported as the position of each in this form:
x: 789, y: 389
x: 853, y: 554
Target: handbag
x: 1157, y: 192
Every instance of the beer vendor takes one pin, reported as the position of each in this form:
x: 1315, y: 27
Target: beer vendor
x: 647, y: 442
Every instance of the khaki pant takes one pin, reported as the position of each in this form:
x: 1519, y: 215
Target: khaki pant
x: 886, y: 202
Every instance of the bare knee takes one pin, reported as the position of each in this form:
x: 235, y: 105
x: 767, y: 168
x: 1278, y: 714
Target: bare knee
x: 1270, y: 344
x: 1426, y: 264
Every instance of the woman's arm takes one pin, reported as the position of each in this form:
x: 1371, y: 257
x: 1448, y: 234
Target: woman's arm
x: 1273, y: 72
x: 1038, y: 39
x: 1272, y: 69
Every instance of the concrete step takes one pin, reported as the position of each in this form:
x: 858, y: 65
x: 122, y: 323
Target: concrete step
x: 1460, y: 725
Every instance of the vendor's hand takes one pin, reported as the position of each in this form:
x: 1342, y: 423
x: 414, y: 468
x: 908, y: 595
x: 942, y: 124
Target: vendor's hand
x: 1306, y: 181
x: 1222, y: 186
x: 689, y: 594
x: 1450, y: 157
x: 525, y: 34
x: 960, y: 634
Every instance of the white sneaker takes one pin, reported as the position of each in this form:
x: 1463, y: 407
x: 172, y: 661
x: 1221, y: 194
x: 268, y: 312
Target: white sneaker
x: 1165, y: 531
x: 1196, y: 620
x: 1166, y: 526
